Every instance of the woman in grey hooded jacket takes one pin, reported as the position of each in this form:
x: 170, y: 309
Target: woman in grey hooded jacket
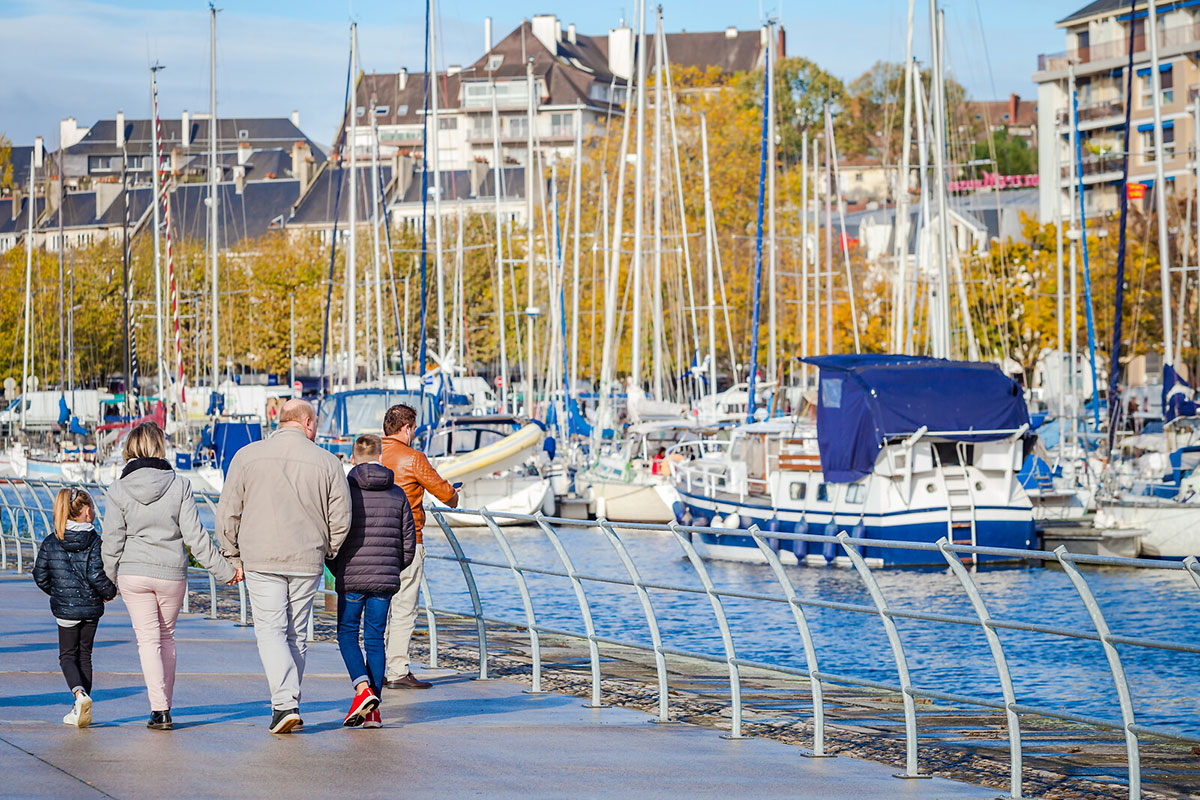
x: 149, y: 518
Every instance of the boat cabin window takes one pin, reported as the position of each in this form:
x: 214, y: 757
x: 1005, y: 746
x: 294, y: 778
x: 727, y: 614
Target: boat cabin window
x: 855, y: 494
x: 823, y: 492
x: 947, y: 453
x: 798, y: 490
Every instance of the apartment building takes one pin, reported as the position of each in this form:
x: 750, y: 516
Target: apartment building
x: 1098, y: 37
x: 578, y: 80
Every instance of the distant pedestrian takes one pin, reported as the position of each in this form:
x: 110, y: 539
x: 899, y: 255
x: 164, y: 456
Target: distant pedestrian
x: 69, y: 568
x: 381, y: 543
x: 284, y: 510
x: 150, y: 524
x: 415, y: 475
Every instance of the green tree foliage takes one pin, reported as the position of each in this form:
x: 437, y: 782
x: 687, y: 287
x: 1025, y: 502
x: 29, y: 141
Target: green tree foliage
x: 1011, y: 154
x: 6, y: 169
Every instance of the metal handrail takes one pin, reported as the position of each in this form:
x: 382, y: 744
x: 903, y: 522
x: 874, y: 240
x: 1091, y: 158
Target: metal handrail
x: 21, y: 502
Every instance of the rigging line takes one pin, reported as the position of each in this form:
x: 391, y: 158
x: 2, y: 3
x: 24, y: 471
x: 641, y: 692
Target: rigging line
x: 333, y: 244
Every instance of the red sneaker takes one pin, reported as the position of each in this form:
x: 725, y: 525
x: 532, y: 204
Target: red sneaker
x: 364, y: 702
x: 373, y: 719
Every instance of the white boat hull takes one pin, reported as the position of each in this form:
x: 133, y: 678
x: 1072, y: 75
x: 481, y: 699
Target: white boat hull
x: 1172, y: 529
x: 618, y: 501
x: 501, y: 495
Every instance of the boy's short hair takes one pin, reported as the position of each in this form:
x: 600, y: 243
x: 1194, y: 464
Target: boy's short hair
x: 367, y: 447
x: 397, y: 417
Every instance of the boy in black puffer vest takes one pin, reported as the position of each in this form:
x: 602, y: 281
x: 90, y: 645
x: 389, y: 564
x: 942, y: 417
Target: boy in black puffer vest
x: 69, y: 568
x: 366, y: 571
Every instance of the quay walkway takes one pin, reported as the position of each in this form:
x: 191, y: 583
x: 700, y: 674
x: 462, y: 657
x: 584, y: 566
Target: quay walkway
x: 464, y: 737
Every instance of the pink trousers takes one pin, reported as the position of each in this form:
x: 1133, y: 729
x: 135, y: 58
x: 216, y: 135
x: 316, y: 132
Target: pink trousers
x: 153, y: 605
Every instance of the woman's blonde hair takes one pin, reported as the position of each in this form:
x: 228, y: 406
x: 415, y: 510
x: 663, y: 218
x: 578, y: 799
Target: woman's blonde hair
x: 69, y: 504
x: 146, y: 441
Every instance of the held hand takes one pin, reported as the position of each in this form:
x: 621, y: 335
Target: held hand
x: 238, y: 576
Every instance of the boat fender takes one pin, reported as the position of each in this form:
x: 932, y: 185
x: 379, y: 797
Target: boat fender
x: 701, y: 522
x: 680, y: 512
x: 733, y: 522
x: 601, y: 507
x: 774, y: 542
x: 830, y: 550
x: 800, y: 548
x: 859, y: 531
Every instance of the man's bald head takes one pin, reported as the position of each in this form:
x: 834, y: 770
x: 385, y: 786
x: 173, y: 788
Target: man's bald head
x: 298, y: 413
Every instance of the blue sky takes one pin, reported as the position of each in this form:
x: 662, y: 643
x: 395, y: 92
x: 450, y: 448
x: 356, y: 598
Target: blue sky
x: 87, y: 59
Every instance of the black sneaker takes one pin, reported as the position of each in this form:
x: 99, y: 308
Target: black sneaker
x: 160, y: 721
x: 409, y: 681
x: 285, y: 720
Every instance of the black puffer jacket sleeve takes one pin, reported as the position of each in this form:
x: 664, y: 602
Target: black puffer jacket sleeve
x: 95, y: 571
x: 41, y: 570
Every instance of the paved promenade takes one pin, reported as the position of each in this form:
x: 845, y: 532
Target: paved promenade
x: 461, y: 738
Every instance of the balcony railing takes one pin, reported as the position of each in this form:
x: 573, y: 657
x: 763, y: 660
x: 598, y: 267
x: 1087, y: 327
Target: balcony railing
x: 1093, y: 111
x: 1101, y: 51
x: 1095, y: 165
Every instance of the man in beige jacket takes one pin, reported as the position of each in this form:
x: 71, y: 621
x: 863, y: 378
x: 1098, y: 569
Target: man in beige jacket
x: 285, y: 509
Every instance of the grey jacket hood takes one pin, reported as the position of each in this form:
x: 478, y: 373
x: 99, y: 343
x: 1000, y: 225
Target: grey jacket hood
x: 147, y: 485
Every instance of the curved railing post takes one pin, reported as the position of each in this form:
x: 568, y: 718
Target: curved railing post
x: 893, y: 635
x: 585, y: 608
x: 1006, y: 685
x: 242, y: 621
x: 1114, y: 664
x: 47, y: 520
x: 718, y: 608
x: 430, y: 621
x: 660, y: 661
x: 810, y: 649
x: 1192, y: 567
x: 535, y: 645
x: 469, y: 577
x: 212, y: 596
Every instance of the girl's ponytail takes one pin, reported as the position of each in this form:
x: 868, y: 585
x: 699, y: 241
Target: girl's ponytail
x: 68, y: 504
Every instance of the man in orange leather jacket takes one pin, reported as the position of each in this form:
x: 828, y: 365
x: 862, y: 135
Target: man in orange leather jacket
x: 415, y: 475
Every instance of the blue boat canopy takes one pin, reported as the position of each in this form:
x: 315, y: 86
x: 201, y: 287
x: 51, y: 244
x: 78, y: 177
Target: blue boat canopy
x: 863, y: 400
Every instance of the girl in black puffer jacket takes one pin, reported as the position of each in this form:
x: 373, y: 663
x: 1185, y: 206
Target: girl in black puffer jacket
x: 69, y: 569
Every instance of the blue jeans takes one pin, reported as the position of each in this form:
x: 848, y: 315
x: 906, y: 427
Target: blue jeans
x: 372, y: 610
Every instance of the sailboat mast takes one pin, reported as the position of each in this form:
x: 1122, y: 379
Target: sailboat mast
x: 1160, y: 189
x: 212, y: 192
x: 497, y: 187
x: 656, y: 299
x: 530, y: 162
x: 156, y: 180
x: 351, y: 250
x: 941, y: 332
x: 575, y: 267
x: 899, y: 296
x: 437, y: 183
x: 772, y: 347
x: 804, y: 351
x: 1073, y: 314
x: 635, y: 368
x: 380, y: 366
x: 28, y: 285
x: 708, y: 265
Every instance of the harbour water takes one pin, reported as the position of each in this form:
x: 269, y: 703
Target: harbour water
x: 1050, y: 671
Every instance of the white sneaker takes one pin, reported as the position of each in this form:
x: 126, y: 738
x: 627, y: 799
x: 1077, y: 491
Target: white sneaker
x: 82, y: 710
x: 71, y: 718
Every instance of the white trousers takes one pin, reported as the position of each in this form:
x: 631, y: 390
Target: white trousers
x: 281, y: 605
x: 402, y: 617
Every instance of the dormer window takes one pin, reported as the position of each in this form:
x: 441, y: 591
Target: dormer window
x: 494, y: 61
x: 243, y: 134
x: 381, y: 111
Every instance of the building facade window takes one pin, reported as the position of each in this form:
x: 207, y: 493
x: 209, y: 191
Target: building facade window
x: 1166, y: 77
x: 518, y: 127
x: 1168, y: 143
x: 447, y: 123
x: 562, y: 124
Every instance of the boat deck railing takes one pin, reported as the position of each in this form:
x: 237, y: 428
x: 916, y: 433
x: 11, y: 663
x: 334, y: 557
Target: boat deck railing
x: 25, y: 516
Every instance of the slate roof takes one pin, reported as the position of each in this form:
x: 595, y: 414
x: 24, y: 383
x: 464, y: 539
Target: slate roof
x: 80, y: 210
x: 262, y: 134
x: 275, y: 163
x: 20, y: 165
x: 21, y: 223
x: 316, y: 207
x: 240, y: 216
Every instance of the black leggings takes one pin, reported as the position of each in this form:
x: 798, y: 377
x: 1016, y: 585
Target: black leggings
x: 75, y: 654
